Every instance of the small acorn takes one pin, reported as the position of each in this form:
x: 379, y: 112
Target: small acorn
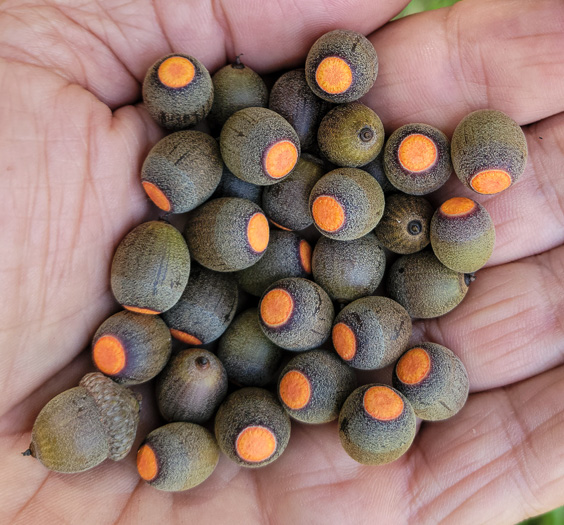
x: 82, y: 426
x: 489, y: 151
x: 341, y: 66
x: 462, y: 235
x: 178, y: 91
x: 177, y: 456
x: 251, y: 427
x: 348, y: 270
x: 376, y: 169
x: 346, y: 204
x: 131, y: 348
x: 314, y: 385
x: 259, y: 146
x: 296, y: 314
x: 182, y: 170
x: 191, y: 386
x: 433, y: 379
x: 371, y: 332
x: 404, y: 227
x: 231, y: 186
x: 227, y: 234
x: 150, y: 268
x: 376, y: 424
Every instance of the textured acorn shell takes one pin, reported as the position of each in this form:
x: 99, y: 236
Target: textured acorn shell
x: 286, y: 204
x: 424, y: 286
x: 356, y: 50
x: 191, y: 386
x: 231, y: 186
x: 488, y: 139
x: 423, y: 182
x: 348, y: 270
x: 359, y: 194
x: 205, y: 308
x: 150, y: 267
x: 186, y: 166
x: 376, y: 169
x: 309, y: 325
x: 146, y: 341
x: 463, y: 243
x: 443, y: 392
x: 403, y: 216
x: 371, y: 441
x: 186, y: 455
x: 330, y: 380
x: 216, y: 233
x: 178, y: 108
x: 251, y: 407
x: 381, y: 327
x: 245, y: 138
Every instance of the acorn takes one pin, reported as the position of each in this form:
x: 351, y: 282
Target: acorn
x: 314, y: 385
x: 341, y: 66
x: 346, y: 204
x: 177, y: 456
x: 178, y: 91
x: 292, y: 98
x: 150, y: 268
x: 227, y: 234
x: 236, y: 86
x: 251, y: 427
x: 489, y: 151
x: 371, y: 332
x: 249, y: 357
x: 404, y: 227
x: 417, y: 159
x: 286, y: 204
x: 231, y: 186
x: 287, y: 255
x: 191, y: 386
x: 296, y: 314
x: 205, y: 308
x: 376, y: 169
x: 351, y: 135
x: 131, y: 348
x: 82, y: 426
x: 433, y: 379
x: 376, y: 425
x: 182, y: 170
x: 424, y: 286
x: 259, y: 146
x: 462, y: 235
x: 348, y: 270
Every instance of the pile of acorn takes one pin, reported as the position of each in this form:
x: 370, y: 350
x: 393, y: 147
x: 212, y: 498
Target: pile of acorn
x: 233, y: 187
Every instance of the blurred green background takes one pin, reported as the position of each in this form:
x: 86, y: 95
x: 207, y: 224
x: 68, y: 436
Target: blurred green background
x: 556, y: 517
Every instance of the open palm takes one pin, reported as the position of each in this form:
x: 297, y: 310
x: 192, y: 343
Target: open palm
x: 71, y: 143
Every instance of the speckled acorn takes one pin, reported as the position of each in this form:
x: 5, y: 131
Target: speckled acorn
x: 489, y: 151
x: 314, y: 385
x: 150, y: 268
x: 178, y: 91
x: 433, y: 379
x: 82, y: 426
x: 462, y: 234
x: 131, y: 348
x: 177, y: 456
x: 231, y: 186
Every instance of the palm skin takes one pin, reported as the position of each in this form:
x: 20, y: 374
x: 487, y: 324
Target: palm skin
x: 71, y: 144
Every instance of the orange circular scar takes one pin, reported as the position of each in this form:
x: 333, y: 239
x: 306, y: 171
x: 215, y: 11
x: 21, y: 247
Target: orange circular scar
x: 328, y: 213
x: 156, y: 195
x: 276, y: 307
x: 139, y: 310
x: 295, y: 390
x: 108, y: 355
x: 280, y: 226
x: 417, y: 152
x: 258, y: 232
x: 333, y: 75
x: 489, y: 182
x: 147, y: 465
x: 185, y: 337
x: 458, y: 206
x: 344, y: 341
x: 255, y: 444
x: 382, y: 403
x: 305, y: 255
x: 280, y: 159
x: 413, y: 366
x: 176, y: 72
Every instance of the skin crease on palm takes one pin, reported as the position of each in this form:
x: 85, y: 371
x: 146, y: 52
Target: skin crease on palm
x: 72, y: 139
